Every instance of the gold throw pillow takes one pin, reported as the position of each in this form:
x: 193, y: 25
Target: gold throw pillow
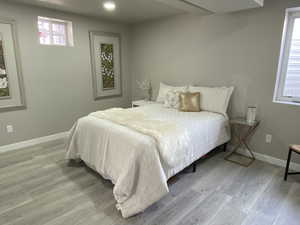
x: 189, y: 102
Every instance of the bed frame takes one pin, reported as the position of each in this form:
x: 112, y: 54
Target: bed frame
x: 224, y: 148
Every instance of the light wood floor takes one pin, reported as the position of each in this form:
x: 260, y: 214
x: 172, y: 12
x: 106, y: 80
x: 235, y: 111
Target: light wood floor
x: 38, y: 187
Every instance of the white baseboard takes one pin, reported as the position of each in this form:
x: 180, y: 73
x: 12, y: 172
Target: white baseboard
x: 32, y: 142
x: 271, y: 160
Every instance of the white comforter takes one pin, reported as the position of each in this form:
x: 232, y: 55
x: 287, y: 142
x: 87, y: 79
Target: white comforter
x: 133, y: 161
x: 172, y: 139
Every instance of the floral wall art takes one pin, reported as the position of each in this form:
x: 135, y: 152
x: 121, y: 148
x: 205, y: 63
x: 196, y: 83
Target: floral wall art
x: 12, y: 95
x: 4, y: 90
x: 106, y: 64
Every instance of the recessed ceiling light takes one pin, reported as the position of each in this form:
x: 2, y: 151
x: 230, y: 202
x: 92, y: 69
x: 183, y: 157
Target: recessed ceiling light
x: 109, y: 5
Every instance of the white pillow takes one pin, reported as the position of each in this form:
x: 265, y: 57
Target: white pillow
x: 163, y: 89
x: 214, y: 99
x: 172, y: 99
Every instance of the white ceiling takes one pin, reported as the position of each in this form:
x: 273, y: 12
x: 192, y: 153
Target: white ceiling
x: 128, y: 11
x: 133, y: 11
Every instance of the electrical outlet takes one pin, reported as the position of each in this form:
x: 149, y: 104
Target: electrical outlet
x: 268, y: 138
x: 9, y: 129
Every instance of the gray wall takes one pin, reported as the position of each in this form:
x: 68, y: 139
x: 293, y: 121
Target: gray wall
x: 239, y: 49
x: 57, y: 79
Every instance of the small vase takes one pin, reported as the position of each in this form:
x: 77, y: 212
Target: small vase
x: 149, y: 93
x: 251, y: 114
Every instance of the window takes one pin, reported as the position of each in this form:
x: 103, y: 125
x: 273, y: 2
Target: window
x: 288, y: 76
x: 55, y: 32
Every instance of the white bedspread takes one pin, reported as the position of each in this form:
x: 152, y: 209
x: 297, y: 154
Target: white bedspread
x: 132, y: 160
x: 172, y: 139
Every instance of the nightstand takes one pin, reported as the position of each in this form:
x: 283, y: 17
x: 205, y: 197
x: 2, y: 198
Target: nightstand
x: 139, y: 103
x: 239, y: 125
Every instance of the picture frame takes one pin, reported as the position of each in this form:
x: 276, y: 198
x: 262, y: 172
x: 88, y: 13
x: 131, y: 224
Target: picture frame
x: 12, y: 94
x: 106, y: 64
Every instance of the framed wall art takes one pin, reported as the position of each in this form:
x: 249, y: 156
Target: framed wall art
x: 106, y: 64
x: 11, y: 81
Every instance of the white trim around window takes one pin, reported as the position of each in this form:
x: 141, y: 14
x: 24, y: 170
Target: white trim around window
x: 287, y: 89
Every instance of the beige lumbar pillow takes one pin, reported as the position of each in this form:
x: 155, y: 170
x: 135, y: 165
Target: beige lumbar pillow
x: 189, y: 102
x: 214, y: 99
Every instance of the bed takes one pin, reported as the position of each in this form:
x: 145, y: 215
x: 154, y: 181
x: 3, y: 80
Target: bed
x: 139, y: 162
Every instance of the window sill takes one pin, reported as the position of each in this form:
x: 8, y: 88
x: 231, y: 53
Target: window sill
x: 287, y: 102
x: 55, y: 45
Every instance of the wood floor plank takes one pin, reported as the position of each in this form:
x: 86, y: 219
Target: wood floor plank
x: 290, y: 210
x: 13, y: 157
x: 39, y: 187
x: 257, y: 218
x: 35, y: 175
x: 78, y: 215
x: 249, y: 185
x: 55, y: 208
x: 217, y: 178
x: 270, y: 201
x: 205, y: 210
x: 203, y: 187
x: 178, y: 209
x: 246, y: 175
x: 229, y: 215
x: 46, y: 198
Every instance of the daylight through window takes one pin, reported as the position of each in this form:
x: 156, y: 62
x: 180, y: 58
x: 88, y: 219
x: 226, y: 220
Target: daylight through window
x: 55, y: 32
x: 288, y: 78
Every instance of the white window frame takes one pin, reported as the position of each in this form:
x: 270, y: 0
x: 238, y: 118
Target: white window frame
x: 68, y: 30
x: 290, y: 16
